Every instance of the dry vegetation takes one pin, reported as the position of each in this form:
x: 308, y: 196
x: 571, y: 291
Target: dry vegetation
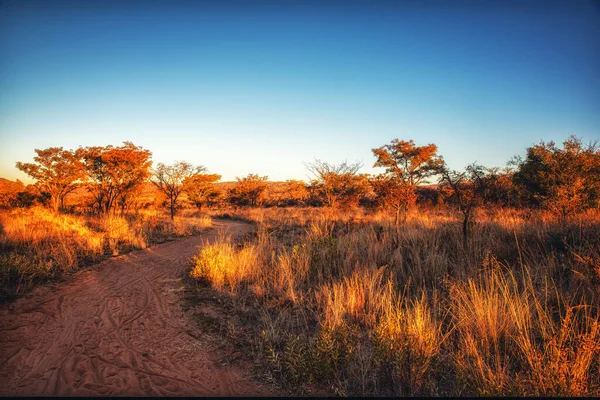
x: 359, y: 307
x: 485, y: 284
x: 37, y: 244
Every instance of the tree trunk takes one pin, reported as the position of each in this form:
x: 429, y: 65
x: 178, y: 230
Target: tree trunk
x: 172, y: 210
x: 465, y: 229
x: 55, y: 204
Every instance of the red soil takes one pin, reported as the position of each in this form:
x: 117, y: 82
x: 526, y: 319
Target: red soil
x: 117, y: 329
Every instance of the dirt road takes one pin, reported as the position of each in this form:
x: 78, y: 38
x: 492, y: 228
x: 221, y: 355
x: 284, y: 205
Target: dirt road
x: 116, y: 329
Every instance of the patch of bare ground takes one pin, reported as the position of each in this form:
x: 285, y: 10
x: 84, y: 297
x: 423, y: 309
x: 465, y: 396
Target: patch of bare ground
x: 118, y: 329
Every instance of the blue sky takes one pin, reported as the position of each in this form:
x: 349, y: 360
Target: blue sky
x: 263, y: 87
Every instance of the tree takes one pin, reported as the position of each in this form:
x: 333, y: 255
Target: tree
x: 406, y: 166
x: 9, y: 192
x: 337, y: 185
x: 563, y: 181
x: 169, y: 180
x: 115, y: 174
x: 390, y: 194
x: 201, y: 189
x: 295, y: 193
x: 56, y: 172
x: 467, y: 189
x: 249, y: 191
x: 500, y: 188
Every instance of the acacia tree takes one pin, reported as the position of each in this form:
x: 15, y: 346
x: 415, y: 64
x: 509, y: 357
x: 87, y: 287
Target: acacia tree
x: 56, y: 172
x: 337, y: 185
x: 201, y: 189
x: 249, y: 191
x: 467, y: 189
x: 169, y: 179
x: 389, y: 194
x: 115, y: 174
x: 562, y: 180
x: 406, y: 166
x: 295, y: 193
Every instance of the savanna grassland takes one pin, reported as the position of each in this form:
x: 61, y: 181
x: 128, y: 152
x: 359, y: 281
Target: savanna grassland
x: 353, y: 304
x: 421, y: 280
x: 38, y: 245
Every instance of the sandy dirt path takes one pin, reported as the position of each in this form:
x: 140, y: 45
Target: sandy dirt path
x: 116, y: 329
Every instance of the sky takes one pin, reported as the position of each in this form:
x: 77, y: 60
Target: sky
x: 264, y: 87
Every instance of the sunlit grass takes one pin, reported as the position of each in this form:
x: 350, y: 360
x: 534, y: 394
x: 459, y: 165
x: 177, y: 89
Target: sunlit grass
x: 415, y: 310
x: 37, y: 244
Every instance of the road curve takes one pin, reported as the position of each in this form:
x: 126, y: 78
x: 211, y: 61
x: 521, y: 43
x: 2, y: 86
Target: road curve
x: 116, y: 329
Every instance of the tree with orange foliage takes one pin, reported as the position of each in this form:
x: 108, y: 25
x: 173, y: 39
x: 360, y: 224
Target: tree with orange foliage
x: 201, y: 189
x: 295, y: 193
x: 563, y: 181
x: 406, y: 165
x: 169, y: 179
x: 56, y: 172
x: 249, y: 191
x: 501, y: 188
x: 338, y: 186
x: 9, y: 192
x: 115, y: 173
x: 389, y: 194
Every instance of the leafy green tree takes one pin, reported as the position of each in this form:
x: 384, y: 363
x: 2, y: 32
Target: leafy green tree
x: 56, y: 172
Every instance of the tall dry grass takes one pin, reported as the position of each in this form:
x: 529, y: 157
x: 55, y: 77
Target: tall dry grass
x: 37, y: 244
x: 364, y: 308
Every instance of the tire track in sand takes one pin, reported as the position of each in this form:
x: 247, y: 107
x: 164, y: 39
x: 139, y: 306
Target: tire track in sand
x: 116, y: 329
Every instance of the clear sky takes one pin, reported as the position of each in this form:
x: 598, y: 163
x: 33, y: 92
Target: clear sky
x: 262, y: 87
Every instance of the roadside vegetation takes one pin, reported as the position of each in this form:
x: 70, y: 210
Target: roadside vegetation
x: 489, y: 287
x: 422, y: 280
x: 86, y: 205
x: 353, y: 305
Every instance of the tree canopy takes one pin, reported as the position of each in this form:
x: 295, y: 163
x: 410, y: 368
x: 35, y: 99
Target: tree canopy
x: 201, y: 189
x: 249, y: 190
x: 114, y: 173
x: 169, y: 179
x: 562, y: 180
x: 56, y: 172
x: 406, y: 165
x: 337, y: 185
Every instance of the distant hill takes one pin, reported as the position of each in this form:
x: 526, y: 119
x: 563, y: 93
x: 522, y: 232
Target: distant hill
x: 8, y: 181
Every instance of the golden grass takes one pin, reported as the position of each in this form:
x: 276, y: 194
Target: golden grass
x: 39, y: 226
x: 415, y: 311
x: 222, y: 265
x: 121, y: 235
x: 37, y: 244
